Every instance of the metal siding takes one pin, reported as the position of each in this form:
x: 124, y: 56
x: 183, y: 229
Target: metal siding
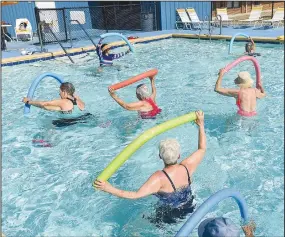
x: 21, y: 10
x: 88, y: 23
x: 168, y: 11
x: 172, y: 16
x: 71, y: 4
x: 162, y: 10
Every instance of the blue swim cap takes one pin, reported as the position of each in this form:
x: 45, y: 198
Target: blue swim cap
x: 218, y: 227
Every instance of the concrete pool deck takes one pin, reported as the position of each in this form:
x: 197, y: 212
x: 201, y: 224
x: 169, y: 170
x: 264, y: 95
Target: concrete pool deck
x: 13, y: 55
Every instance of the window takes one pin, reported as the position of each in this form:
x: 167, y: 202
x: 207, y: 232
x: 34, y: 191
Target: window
x: 77, y: 15
x: 235, y: 4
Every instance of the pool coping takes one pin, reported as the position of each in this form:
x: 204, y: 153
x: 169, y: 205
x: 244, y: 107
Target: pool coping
x: 75, y: 51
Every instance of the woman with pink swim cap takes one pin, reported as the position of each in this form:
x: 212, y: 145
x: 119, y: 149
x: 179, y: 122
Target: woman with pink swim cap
x: 245, y: 95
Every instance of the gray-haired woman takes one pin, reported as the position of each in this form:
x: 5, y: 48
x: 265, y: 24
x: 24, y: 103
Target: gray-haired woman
x: 146, y: 105
x: 172, y: 185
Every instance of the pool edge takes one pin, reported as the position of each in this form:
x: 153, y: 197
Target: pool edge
x: 75, y: 51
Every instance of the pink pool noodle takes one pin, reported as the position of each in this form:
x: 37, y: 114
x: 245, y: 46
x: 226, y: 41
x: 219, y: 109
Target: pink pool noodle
x: 255, y: 63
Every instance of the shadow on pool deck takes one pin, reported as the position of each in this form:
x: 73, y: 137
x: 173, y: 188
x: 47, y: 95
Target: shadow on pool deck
x: 14, y: 48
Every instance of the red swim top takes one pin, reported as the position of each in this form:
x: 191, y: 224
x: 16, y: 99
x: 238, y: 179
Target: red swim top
x: 152, y: 113
x: 241, y: 111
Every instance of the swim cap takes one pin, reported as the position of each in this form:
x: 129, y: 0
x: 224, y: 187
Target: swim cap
x: 218, y: 227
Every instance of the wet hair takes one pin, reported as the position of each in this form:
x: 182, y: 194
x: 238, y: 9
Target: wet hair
x: 104, y: 45
x: 141, y: 92
x: 68, y: 88
x: 248, y: 46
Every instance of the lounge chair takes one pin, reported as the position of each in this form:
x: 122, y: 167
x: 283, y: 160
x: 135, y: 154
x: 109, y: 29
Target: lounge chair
x: 194, y: 18
x: 224, y: 15
x: 23, y: 28
x: 278, y: 17
x: 184, y: 19
x: 255, y: 16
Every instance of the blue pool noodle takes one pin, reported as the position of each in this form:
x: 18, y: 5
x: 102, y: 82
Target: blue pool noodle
x: 233, y: 38
x: 206, y: 206
x: 121, y: 36
x: 34, y: 86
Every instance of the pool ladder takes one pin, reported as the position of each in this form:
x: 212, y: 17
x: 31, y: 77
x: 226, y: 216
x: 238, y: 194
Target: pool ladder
x: 210, y: 28
x: 81, y: 26
x: 58, y: 41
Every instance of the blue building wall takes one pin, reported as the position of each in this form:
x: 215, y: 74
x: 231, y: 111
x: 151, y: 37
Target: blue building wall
x: 21, y: 10
x: 168, y: 12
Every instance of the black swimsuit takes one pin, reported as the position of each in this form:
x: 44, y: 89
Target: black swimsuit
x: 83, y: 119
x: 175, y: 205
x: 254, y: 54
x: 73, y: 102
x: 177, y: 197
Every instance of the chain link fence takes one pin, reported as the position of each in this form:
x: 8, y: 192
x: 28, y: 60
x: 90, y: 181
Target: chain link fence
x: 69, y: 24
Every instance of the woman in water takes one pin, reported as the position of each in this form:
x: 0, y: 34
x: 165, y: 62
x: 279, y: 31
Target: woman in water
x: 105, y: 58
x: 250, y: 48
x: 64, y: 105
x: 146, y: 105
x: 245, y: 96
x: 172, y: 185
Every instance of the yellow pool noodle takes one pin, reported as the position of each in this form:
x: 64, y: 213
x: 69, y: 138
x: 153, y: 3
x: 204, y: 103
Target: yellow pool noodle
x: 142, y: 139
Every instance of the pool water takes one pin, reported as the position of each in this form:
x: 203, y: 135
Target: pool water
x: 48, y: 191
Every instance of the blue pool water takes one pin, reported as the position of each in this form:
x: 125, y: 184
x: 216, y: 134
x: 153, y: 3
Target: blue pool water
x: 48, y: 191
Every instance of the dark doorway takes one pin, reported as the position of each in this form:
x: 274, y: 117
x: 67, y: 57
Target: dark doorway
x: 122, y: 15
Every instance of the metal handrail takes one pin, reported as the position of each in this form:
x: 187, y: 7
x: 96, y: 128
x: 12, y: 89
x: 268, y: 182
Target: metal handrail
x: 206, y: 18
x: 219, y: 16
x: 201, y: 28
x: 84, y: 32
x: 199, y: 34
x: 40, y: 34
x: 57, y: 40
x: 211, y: 28
x: 70, y: 37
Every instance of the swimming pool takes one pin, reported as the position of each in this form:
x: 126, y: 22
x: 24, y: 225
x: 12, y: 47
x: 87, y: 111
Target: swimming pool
x: 48, y: 191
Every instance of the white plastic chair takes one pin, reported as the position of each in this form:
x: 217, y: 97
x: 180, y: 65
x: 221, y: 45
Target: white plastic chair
x: 184, y: 19
x: 27, y: 32
x: 278, y: 17
x: 224, y: 16
x: 194, y: 18
x: 255, y: 16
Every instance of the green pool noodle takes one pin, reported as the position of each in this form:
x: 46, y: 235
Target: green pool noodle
x: 142, y: 139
